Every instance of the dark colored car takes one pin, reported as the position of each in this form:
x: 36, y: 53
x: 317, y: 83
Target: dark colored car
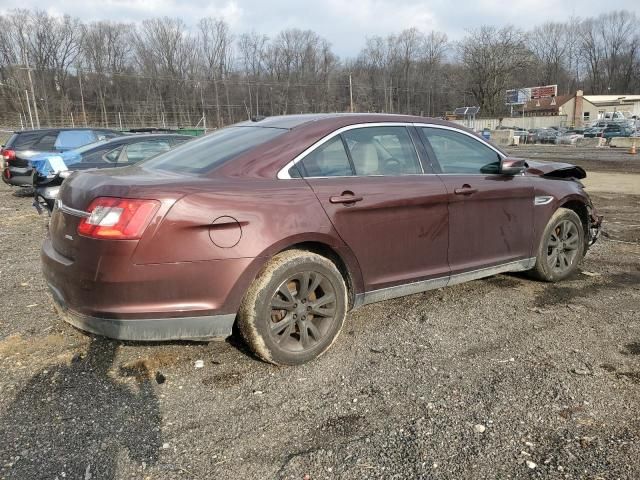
x: 25, y: 144
x: 616, y: 130
x: 283, y: 225
x: 546, y: 135
x: 117, y: 152
x: 594, y: 132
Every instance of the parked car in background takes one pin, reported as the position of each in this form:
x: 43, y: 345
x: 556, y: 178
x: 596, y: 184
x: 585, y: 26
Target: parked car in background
x: 546, y: 135
x: 52, y: 169
x: 531, y: 137
x: 284, y: 224
x: 522, y: 135
x: 593, y: 132
x: 616, y: 130
x: 570, y: 137
x: 25, y: 144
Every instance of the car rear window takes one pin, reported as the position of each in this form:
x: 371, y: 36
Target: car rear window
x: 69, y: 139
x: 205, y: 153
x: 30, y: 140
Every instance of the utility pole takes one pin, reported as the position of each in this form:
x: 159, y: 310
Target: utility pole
x: 351, y: 93
x: 204, y: 116
x: 84, y: 113
x: 33, y: 93
x: 26, y: 94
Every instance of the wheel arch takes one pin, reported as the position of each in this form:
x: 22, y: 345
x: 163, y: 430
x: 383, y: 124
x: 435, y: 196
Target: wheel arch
x: 347, y: 269
x: 325, y: 245
x: 578, y: 206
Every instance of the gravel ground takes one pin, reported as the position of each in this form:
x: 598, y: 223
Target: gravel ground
x: 498, y: 378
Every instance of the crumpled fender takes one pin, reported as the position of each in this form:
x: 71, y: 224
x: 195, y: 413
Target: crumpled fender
x: 555, y: 170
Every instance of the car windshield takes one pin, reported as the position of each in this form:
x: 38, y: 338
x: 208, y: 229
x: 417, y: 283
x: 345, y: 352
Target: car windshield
x: 210, y: 151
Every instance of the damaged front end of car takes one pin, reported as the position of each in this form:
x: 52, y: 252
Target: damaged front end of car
x: 574, y: 173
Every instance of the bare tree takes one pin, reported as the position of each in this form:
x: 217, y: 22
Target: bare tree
x: 490, y: 57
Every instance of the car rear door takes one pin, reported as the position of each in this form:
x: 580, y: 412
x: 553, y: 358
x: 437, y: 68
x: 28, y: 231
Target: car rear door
x: 370, y: 182
x: 490, y: 215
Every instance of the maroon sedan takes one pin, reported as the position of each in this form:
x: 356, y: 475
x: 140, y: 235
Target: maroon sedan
x: 284, y: 224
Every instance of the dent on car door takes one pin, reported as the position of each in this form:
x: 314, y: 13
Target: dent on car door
x: 490, y: 214
x: 369, y: 181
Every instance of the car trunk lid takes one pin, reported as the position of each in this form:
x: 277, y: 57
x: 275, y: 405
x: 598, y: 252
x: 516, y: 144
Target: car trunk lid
x: 81, y: 188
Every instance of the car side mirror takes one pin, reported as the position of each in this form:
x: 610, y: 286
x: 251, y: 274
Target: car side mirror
x: 512, y: 166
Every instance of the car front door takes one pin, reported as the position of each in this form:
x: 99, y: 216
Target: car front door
x: 370, y: 182
x: 490, y: 214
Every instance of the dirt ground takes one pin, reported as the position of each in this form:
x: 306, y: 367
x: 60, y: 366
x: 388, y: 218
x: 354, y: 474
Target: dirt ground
x: 498, y: 378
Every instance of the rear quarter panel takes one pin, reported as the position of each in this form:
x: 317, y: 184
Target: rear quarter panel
x: 269, y: 217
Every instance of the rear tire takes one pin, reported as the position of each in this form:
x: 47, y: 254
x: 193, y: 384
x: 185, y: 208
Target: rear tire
x: 295, y: 308
x: 562, y: 247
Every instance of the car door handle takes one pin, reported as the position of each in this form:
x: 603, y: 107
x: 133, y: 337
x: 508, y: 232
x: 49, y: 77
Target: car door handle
x: 465, y: 190
x: 345, y: 198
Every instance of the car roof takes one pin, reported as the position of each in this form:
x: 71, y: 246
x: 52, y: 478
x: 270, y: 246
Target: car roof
x: 139, y: 137
x: 64, y: 129
x: 293, y: 121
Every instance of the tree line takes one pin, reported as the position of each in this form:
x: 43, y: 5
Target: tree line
x: 161, y: 71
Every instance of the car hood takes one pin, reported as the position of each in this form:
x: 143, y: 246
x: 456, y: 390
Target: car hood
x: 555, y: 170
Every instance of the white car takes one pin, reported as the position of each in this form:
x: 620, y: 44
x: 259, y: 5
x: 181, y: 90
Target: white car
x: 570, y: 137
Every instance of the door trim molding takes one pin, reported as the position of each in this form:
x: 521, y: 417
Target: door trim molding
x: 383, y: 294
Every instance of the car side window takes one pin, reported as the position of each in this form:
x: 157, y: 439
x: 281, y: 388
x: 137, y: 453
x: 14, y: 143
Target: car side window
x: 328, y: 160
x: 459, y: 153
x: 143, y: 150
x: 96, y: 156
x: 382, y: 151
x: 112, y: 156
x: 47, y: 143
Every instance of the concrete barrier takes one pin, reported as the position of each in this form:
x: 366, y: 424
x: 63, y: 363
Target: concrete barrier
x: 589, y: 142
x: 624, y: 142
x: 502, y: 137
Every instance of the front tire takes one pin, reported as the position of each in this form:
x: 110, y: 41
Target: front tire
x: 295, y: 308
x: 562, y: 247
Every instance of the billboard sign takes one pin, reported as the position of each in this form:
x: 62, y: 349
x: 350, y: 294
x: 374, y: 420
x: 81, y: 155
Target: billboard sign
x: 544, y: 92
x: 520, y: 96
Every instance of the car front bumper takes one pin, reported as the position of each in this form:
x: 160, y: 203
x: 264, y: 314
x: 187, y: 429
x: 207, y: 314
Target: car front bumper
x: 595, y: 226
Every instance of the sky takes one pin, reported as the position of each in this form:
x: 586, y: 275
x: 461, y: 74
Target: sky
x: 345, y: 23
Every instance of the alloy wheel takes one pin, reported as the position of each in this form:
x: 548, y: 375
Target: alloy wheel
x: 303, y: 309
x: 563, y: 246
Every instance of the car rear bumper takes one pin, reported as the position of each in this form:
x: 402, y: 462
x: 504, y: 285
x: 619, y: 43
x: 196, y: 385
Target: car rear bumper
x: 205, y: 327
x: 111, y: 296
x: 18, y: 176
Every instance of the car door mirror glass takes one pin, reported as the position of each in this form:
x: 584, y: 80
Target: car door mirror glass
x: 512, y: 166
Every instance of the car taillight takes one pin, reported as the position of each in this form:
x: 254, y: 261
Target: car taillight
x: 117, y: 218
x: 8, y: 154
